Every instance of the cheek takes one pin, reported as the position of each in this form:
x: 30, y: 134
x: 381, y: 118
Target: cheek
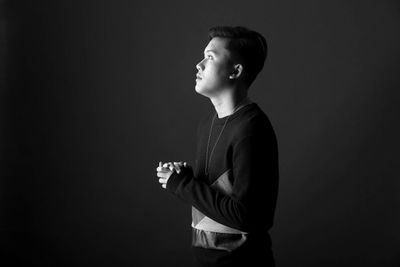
x: 217, y: 70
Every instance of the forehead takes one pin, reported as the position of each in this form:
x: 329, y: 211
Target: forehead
x: 218, y: 45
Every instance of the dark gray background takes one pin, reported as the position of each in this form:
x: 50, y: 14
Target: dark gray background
x: 95, y: 93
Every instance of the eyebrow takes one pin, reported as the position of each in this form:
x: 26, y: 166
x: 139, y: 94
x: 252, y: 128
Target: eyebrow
x: 210, y: 50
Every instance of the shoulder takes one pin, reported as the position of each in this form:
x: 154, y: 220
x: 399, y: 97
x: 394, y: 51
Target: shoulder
x: 253, y: 122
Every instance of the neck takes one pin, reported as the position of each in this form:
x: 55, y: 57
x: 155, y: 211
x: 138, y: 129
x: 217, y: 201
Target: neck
x: 229, y: 103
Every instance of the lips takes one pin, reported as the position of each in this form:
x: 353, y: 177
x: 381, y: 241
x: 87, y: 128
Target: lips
x: 198, y: 77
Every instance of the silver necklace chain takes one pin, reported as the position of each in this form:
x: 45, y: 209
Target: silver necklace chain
x: 216, y: 142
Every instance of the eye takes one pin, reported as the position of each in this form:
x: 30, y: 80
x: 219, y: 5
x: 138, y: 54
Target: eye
x: 210, y: 57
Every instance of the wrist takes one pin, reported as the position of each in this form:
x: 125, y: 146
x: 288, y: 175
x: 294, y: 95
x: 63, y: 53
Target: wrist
x: 173, y: 181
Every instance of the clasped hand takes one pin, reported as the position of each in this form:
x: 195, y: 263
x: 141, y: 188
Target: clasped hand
x: 164, y: 171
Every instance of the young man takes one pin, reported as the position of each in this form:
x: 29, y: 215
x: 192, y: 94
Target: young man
x: 234, y: 183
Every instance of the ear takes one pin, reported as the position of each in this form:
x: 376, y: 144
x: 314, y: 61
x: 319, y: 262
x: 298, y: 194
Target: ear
x: 237, y: 71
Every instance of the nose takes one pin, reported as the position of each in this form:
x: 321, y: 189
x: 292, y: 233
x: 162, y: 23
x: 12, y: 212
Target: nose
x: 200, y: 66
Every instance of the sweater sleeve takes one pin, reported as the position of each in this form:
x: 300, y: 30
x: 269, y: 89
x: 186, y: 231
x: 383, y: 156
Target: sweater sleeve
x: 251, y: 171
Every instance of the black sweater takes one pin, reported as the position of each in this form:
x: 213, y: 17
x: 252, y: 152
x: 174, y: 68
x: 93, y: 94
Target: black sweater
x: 237, y: 198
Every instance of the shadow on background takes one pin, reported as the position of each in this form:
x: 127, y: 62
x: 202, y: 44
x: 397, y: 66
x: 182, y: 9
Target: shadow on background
x: 95, y: 93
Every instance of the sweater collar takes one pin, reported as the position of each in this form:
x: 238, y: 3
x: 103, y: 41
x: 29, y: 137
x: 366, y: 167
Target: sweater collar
x: 236, y: 114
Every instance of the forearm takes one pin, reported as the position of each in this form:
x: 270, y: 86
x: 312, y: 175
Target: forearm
x: 212, y: 203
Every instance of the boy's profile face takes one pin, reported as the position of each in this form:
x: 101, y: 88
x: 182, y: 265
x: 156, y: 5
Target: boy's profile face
x: 214, y: 70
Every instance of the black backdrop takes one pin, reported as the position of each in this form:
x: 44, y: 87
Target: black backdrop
x: 95, y: 93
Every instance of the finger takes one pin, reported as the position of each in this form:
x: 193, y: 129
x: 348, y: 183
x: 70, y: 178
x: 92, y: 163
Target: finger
x: 162, y: 174
x: 177, y: 167
x: 162, y: 180
x: 162, y: 166
x: 164, y: 186
x: 185, y: 164
x: 162, y: 169
x: 171, y: 166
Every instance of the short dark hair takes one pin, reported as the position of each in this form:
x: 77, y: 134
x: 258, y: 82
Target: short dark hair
x: 247, y: 46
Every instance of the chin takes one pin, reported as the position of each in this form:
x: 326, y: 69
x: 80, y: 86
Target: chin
x: 197, y: 88
x: 200, y: 90
x: 206, y: 90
